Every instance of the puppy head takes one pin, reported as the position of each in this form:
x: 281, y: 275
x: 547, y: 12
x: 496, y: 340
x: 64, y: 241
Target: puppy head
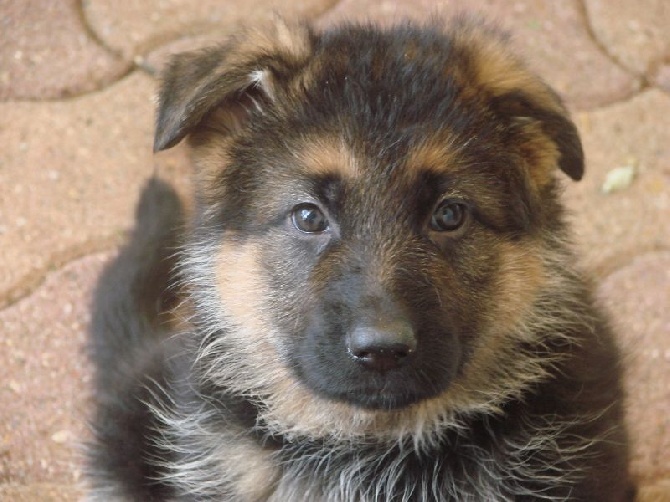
x: 376, y: 219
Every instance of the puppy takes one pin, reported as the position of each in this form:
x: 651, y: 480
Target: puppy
x: 381, y: 295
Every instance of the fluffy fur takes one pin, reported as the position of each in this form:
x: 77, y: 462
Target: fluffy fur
x: 509, y: 386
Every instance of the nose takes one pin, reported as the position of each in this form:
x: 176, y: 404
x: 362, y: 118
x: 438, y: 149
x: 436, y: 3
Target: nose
x: 382, y: 347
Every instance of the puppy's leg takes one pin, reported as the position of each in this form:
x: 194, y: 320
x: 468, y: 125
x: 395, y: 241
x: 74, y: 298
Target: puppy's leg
x: 131, y: 300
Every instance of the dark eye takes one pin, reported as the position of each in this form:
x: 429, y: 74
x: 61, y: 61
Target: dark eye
x: 448, y: 216
x: 309, y: 218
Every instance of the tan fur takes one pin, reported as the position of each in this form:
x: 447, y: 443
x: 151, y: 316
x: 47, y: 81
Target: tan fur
x: 522, y: 274
x: 278, y: 38
x: 328, y: 155
x: 540, y: 154
x: 210, y: 159
x: 242, y: 292
x: 255, y: 470
x: 433, y: 155
x: 497, y: 70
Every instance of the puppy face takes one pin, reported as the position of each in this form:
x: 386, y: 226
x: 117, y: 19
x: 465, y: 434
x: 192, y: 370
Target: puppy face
x: 376, y: 216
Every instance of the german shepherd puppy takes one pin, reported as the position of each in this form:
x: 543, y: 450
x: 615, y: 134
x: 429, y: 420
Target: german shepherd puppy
x: 382, y: 301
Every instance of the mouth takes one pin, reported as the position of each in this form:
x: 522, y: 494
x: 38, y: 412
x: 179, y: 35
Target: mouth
x: 382, y: 401
x: 386, y: 394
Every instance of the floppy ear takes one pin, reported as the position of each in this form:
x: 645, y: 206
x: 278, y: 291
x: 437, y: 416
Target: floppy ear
x: 548, y: 137
x: 246, y: 72
x: 538, y: 122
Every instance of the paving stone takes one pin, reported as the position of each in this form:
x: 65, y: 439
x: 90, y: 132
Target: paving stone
x: 70, y: 173
x: 45, y: 394
x: 612, y: 228
x: 662, y: 77
x: 135, y: 28
x: 635, y: 33
x: 659, y: 492
x: 46, y: 52
x: 40, y: 492
x: 552, y: 35
x: 638, y: 296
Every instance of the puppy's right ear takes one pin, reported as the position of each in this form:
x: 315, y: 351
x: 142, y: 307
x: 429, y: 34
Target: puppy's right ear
x: 250, y: 71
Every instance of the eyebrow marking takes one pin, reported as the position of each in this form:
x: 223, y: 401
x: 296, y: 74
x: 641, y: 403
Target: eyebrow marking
x: 433, y: 155
x: 328, y: 156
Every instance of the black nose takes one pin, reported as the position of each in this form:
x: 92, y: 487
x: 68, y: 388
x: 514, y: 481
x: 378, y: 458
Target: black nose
x: 383, y: 347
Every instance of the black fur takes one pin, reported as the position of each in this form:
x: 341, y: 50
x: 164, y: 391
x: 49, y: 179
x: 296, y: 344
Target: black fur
x: 129, y: 347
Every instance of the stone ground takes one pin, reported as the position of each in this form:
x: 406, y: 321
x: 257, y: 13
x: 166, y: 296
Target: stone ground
x: 77, y: 101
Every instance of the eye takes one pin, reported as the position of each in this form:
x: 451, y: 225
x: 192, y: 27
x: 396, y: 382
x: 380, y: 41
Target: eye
x: 309, y: 218
x: 448, y: 216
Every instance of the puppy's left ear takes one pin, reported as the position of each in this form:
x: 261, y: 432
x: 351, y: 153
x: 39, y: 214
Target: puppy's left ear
x: 543, y: 131
x: 539, y: 126
x: 247, y: 72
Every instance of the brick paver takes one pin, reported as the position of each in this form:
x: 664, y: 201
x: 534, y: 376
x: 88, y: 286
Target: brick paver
x: 46, y: 375
x: 644, y: 325
x: 39, y: 492
x: 613, y: 227
x: 134, y: 28
x: 635, y: 33
x: 70, y: 170
x: 661, y: 77
x: 47, y: 52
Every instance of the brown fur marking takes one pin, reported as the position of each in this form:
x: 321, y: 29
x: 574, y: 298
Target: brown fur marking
x: 328, y: 155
